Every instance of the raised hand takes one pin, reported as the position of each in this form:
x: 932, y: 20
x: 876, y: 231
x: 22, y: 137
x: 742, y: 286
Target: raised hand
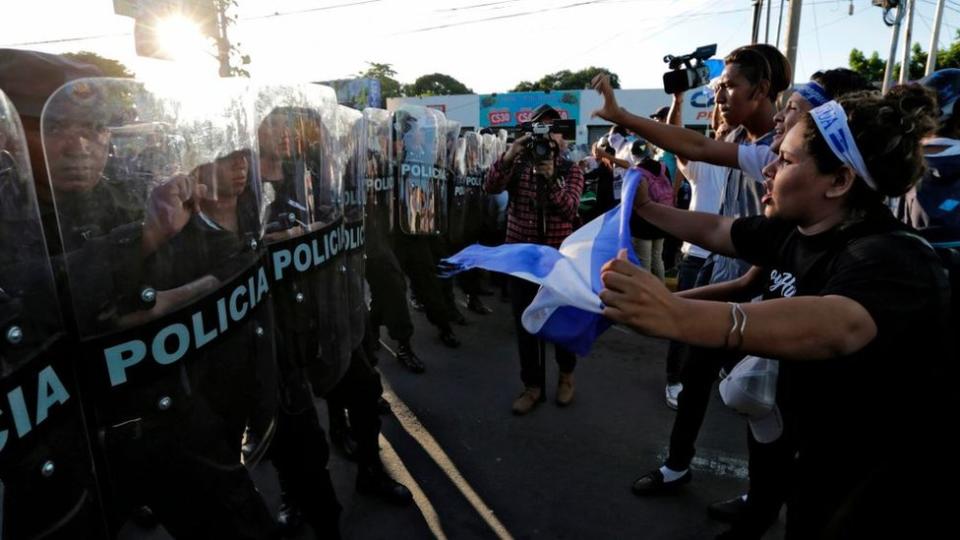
x: 610, y: 110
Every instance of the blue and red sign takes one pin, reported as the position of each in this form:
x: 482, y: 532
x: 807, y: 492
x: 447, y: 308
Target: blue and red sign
x: 511, y: 109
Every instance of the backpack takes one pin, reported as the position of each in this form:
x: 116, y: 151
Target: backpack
x: 658, y: 185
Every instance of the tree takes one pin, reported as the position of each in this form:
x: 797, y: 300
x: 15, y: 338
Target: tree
x: 389, y: 87
x: 567, y: 80
x: 232, y: 51
x: 109, y: 66
x: 950, y: 57
x: 918, y: 63
x: 435, y: 84
x: 873, y: 67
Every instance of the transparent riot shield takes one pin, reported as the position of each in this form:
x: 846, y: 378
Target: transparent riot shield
x: 455, y: 191
x: 167, y: 277
x: 500, y: 145
x: 354, y: 195
x: 47, y: 483
x: 456, y: 217
x: 488, y: 153
x: 471, y: 181
x: 420, y: 147
x: 502, y: 136
x: 298, y: 134
x: 379, y: 173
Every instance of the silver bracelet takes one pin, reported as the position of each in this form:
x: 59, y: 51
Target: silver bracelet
x: 739, y: 323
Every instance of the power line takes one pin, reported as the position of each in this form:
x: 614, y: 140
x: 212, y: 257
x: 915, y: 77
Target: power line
x: 92, y: 37
x: 253, y: 18
x: 475, y: 6
x: 835, y: 21
x: 502, y: 17
x: 309, y: 10
x: 816, y: 30
x: 67, y: 40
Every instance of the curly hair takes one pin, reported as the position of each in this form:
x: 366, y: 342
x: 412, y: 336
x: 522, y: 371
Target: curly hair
x: 887, y: 131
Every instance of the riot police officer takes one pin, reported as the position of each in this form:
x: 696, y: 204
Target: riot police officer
x: 295, y: 144
x: 167, y: 411
x: 420, y: 147
x: 388, y: 286
x: 47, y: 482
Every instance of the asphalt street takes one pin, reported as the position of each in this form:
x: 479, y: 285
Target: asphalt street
x: 479, y: 472
x: 557, y: 472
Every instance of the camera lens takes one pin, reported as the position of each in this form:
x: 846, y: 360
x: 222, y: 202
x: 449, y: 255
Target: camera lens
x: 541, y: 150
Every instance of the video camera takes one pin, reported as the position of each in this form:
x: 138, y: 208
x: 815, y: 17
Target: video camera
x: 540, y: 146
x: 688, y: 71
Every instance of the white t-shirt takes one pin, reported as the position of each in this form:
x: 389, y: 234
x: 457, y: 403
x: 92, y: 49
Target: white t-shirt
x: 706, y: 192
x: 753, y: 158
x: 624, y: 152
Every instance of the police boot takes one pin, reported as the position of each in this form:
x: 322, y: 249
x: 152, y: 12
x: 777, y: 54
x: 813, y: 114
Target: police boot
x: 374, y: 481
x: 340, y: 434
x: 144, y: 517
x: 251, y: 447
x: 289, y: 516
x: 448, y: 338
x: 409, y: 359
x: 476, y: 305
x: 458, y: 317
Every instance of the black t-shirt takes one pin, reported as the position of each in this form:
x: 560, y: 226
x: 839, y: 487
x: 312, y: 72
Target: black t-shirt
x: 858, y: 408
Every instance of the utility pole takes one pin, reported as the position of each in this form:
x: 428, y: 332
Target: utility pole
x: 935, y: 39
x: 793, y: 34
x: 780, y: 23
x: 757, y: 12
x: 769, y: 9
x: 907, y: 40
x: 223, y: 42
x: 888, y: 72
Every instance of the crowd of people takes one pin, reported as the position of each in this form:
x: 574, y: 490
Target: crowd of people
x: 232, y: 265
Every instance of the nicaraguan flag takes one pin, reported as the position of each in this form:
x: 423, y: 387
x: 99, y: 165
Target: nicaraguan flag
x: 567, y: 308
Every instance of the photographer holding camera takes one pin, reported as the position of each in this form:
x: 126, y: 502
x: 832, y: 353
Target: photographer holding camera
x: 544, y: 189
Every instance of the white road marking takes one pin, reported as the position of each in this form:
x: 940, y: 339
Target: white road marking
x: 415, y: 429
x: 394, y: 465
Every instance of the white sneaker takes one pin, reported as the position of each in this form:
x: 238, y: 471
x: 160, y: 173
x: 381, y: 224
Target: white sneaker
x: 672, y: 392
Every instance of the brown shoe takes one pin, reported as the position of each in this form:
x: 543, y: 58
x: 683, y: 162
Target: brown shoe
x: 525, y: 402
x: 565, y: 389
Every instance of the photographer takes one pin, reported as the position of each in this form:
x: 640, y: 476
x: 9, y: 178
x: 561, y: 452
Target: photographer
x: 544, y: 197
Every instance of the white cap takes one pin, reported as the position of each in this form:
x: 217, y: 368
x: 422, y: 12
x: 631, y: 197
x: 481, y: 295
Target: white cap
x: 750, y: 389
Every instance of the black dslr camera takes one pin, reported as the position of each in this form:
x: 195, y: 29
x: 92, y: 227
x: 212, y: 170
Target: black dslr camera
x: 688, y: 71
x: 541, y: 147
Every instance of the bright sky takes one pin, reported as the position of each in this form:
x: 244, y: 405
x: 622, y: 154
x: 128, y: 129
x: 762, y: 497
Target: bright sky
x: 489, y: 45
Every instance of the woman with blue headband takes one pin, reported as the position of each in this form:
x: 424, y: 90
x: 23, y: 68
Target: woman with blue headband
x: 855, y: 303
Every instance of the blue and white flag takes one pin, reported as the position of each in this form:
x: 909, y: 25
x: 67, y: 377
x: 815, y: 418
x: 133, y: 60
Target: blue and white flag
x: 567, y: 308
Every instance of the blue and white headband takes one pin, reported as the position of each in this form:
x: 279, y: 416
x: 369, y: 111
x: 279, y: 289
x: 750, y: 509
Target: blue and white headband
x: 831, y: 120
x: 813, y: 93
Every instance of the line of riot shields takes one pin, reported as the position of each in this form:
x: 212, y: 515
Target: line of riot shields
x: 182, y: 267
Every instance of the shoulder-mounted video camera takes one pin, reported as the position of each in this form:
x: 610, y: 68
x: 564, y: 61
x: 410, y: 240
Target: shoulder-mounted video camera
x: 541, y: 147
x: 688, y: 71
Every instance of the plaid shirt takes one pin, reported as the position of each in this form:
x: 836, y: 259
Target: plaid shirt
x: 562, y: 199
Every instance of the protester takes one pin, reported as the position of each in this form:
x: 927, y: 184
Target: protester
x: 746, y: 93
x: 706, y: 182
x: 850, y: 284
